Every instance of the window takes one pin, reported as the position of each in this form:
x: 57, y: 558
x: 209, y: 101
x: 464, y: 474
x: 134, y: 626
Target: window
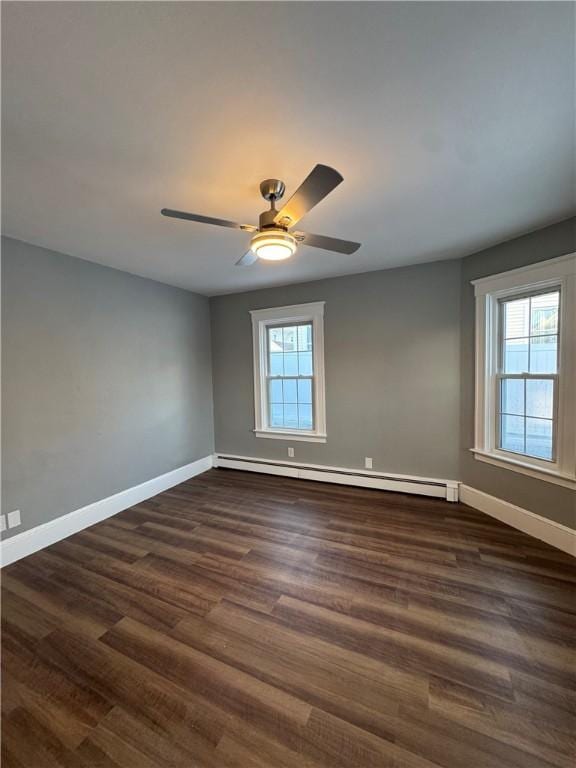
x: 528, y: 374
x: 289, y: 376
x: 289, y: 372
x: 526, y: 370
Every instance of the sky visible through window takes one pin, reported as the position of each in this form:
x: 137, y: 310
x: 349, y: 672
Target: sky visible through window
x: 290, y: 376
x: 528, y: 347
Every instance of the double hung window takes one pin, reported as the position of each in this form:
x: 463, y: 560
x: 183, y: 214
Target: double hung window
x: 289, y: 372
x: 526, y: 370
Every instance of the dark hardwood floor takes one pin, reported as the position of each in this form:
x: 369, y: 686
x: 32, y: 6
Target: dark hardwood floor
x: 249, y: 621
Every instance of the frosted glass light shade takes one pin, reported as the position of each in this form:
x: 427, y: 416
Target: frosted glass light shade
x: 273, y: 245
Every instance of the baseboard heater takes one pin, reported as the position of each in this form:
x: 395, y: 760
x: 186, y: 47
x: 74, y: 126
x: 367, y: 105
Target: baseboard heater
x: 442, y: 489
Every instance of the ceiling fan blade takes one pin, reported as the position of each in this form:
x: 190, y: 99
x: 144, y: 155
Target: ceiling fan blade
x: 319, y: 183
x: 249, y: 258
x: 207, y: 220
x: 327, y: 243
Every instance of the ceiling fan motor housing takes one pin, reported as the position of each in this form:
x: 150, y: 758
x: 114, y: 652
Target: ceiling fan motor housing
x: 266, y: 220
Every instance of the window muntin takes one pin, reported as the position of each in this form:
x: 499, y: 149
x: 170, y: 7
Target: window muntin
x: 527, y: 377
x: 290, y: 376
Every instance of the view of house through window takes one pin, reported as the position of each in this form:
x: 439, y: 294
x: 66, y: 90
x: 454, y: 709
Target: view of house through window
x: 290, y: 376
x: 528, y: 373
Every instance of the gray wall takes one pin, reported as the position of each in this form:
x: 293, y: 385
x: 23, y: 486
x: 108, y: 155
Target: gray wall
x: 106, y: 381
x: 392, y: 370
x: 107, y: 376
x: 551, y: 501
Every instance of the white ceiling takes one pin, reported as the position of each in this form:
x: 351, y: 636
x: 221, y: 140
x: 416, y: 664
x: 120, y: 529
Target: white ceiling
x: 452, y: 124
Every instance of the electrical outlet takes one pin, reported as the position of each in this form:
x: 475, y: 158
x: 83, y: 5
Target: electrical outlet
x: 291, y: 452
x: 368, y: 463
x: 14, y: 518
x: 2, y: 523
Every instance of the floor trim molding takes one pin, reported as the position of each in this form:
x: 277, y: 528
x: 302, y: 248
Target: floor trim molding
x: 555, y: 534
x: 425, y: 486
x: 28, y: 542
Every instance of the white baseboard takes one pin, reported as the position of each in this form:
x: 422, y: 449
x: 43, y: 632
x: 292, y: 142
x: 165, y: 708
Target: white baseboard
x: 26, y: 543
x: 426, y: 486
x: 555, y: 534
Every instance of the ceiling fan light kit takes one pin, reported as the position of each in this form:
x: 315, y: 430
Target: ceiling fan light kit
x: 273, y: 245
x: 273, y: 241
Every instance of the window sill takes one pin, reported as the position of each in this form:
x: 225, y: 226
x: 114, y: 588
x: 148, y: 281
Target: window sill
x: 548, y: 475
x: 286, y: 434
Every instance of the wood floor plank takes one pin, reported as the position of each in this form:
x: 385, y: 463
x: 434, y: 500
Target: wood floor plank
x: 393, y: 682
x: 218, y: 682
x: 252, y: 621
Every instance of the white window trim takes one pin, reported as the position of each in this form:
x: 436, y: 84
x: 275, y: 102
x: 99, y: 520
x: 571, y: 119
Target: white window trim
x: 297, y: 313
x: 488, y: 290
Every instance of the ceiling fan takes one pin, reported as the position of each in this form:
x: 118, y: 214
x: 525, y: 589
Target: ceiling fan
x: 272, y: 240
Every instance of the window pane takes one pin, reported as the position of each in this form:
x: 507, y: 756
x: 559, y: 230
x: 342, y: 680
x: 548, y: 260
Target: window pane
x: 276, y: 364
x: 512, y: 433
x: 304, y: 391
x: 528, y: 339
x: 544, y: 313
x: 290, y: 357
x: 543, y: 354
x: 540, y: 398
x: 276, y: 415
x: 304, y: 338
x: 290, y: 339
x: 291, y: 364
x: 512, y: 396
x: 539, y: 438
x: 304, y: 416
x: 275, y: 340
x: 291, y: 416
x: 275, y: 391
x: 305, y: 363
x: 516, y: 317
x: 515, y: 356
x: 290, y: 391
